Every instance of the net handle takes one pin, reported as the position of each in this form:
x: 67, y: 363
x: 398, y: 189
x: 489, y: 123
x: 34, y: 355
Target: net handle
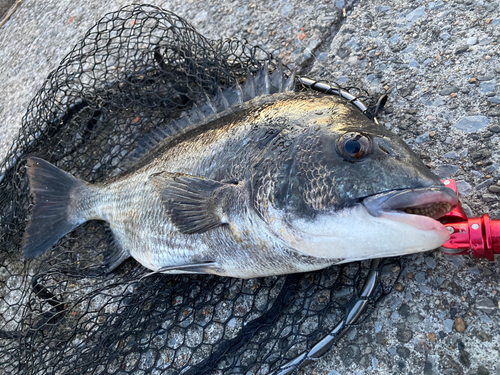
x: 331, y: 90
x: 355, y: 310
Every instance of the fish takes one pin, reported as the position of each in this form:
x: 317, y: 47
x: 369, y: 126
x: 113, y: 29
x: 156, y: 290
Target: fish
x: 261, y: 180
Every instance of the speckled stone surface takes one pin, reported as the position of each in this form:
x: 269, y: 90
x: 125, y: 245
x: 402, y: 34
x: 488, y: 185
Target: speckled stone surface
x: 438, y: 62
x: 4, y: 7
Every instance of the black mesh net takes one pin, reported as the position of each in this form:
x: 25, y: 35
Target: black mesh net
x: 61, y: 313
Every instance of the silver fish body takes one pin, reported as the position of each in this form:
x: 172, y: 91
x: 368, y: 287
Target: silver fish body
x: 283, y: 183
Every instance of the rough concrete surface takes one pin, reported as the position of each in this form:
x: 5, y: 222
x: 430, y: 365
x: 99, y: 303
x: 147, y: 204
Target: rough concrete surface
x: 5, y: 6
x: 438, y: 62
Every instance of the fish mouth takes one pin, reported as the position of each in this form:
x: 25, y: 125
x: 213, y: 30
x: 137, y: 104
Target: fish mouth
x: 420, y: 208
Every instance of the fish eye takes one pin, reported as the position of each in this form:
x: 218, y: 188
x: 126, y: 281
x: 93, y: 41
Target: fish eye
x: 353, y: 146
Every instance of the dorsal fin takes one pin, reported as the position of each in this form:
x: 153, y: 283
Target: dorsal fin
x: 196, y: 114
x: 209, y: 102
x: 151, y: 139
x: 249, y: 91
x: 289, y: 84
x: 220, y: 101
x: 260, y: 83
x: 234, y: 95
x: 277, y: 79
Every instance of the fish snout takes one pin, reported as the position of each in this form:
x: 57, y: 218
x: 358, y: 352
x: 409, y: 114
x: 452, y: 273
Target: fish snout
x: 434, y: 201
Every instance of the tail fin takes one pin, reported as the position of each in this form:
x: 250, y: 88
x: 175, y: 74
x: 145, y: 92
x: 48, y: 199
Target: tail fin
x: 51, y: 189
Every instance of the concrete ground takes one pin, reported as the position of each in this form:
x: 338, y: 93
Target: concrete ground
x: 439, y: 63
x: 5, y: 6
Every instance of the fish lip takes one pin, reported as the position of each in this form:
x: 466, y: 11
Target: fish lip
x: 397, y: 201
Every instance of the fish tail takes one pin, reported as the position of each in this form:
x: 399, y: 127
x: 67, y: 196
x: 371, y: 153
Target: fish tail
x: 52, y: 190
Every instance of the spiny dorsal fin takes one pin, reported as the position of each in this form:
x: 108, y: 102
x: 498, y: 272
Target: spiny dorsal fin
x: 277, y: 79
x: 249, y: 88
x: 289, y: 84
x: 262, y: 83
x: 210, y: 103
x: 220, y: 101
x: 234, y: 95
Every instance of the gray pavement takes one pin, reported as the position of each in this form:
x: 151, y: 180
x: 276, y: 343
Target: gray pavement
x: 438, y: 62
x: 5, y: 6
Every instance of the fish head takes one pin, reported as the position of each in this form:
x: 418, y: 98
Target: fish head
x: 350, y: 189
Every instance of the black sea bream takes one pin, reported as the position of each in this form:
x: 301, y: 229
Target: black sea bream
x: 274, y: 184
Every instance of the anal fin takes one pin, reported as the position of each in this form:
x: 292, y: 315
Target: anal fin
x: 114, y: 255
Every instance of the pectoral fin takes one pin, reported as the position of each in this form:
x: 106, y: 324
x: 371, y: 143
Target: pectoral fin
x: 194, y: 204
